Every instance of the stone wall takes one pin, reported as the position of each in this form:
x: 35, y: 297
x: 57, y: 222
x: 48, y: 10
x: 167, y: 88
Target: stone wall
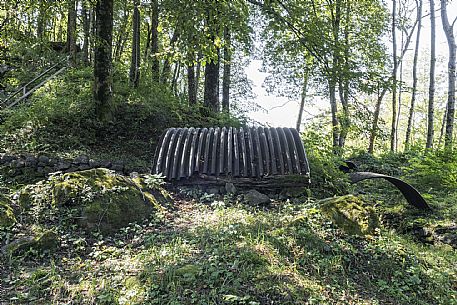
x: 42, y: 165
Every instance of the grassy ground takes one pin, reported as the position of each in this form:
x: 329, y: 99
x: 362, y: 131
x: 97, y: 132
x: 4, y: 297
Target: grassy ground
x: 221, y: 251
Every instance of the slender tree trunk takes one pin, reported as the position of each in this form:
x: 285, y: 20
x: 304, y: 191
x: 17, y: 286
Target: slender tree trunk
x: 211, y: 94
x: 334, y: 110
x: 148, y: 41
x: 41, y: 22
x: 413, y: 95
x: 103, y: 80
x: 381, y: 95
x: 226, y: 74
x: 400, y: 89
x: 302, y: 99
x: 136, y: 57
x: 174, y: 80
x: 443, y: 125
x: 118, y: 48
x: 86, y: 29
x: 191, y: 81
x: 93, y: 28
x: 431, y: 88
x: 374, y: 128
x: 393, y: 131
x: 448, y: 30
x: 344, y: 82
x: 155, y: 41
x: 167, y: 64
x: 197, y: 74
x: 71, y: 31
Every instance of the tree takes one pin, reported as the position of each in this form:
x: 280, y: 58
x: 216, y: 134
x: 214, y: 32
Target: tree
x: 155, y: 40
x: 103, y: 80
x: 431, y: 88
x: 226, y: 73
x: 136, y: 54
x: 449, y: 31
x: 86, y: 29
x: 71, y: 31
x: 414, y: 89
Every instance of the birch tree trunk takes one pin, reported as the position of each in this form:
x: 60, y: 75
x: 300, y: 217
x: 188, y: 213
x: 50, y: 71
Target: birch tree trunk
x: 448, y: 30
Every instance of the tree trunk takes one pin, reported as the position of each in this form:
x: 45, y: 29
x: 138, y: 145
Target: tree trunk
x: 103, y: 80
x: 211, y: 94
x: 136, y: 57
x: 400, y: 89
x: 448, y: 29
x: 334, y: 110
x: 443, y: 125
x: 71, y: 31
x: 393, y: 131
x: 86, y: 29
x: 174, y: 80
x: 198, y: 73
x: 93, y: 28
x: 191, y: 81
x: 41, y: 22
x: 302, y: 100
x: 167, y: 64
x: 413, y: 95
x: 118, y: 48
x: 155, y: 41
x: 344, y: 83
x: 374, y: 127
x: 226, y: 74
x: 431, y: 88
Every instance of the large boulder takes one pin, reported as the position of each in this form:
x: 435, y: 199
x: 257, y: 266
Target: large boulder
x: 351, y: 214
x: 105, y: 201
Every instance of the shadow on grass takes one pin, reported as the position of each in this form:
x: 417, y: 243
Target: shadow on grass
x: 266, y: 260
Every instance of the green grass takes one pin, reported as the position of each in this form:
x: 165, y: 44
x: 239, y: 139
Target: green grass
x: 230, y: 253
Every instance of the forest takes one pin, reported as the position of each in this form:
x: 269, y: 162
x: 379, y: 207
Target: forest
x: 88, y: 89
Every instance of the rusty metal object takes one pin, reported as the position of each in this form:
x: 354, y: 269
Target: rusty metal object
x: 409, y: 192
x: 250, y: 152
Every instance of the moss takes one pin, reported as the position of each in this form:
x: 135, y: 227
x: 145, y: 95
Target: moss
x: 44, y: 242
x: 106, y: 201
x: 110, y: 213
x: 351, y: 214
x: 7, y: 217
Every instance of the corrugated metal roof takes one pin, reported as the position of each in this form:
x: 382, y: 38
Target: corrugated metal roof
x: 234, y: 152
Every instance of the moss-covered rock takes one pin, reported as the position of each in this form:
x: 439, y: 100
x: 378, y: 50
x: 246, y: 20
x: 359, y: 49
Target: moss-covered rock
x: 105, y: 200
x: 351, y: 214
x: 44, y: 242
x: 7, y: 217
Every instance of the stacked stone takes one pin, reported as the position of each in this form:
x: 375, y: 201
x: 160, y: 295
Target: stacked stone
x: 42, y: 165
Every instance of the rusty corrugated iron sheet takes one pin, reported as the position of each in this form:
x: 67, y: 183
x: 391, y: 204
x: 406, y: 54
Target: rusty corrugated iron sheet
x: 233, y: 152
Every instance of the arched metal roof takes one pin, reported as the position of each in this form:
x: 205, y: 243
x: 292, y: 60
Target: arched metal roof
x: 232, y: 152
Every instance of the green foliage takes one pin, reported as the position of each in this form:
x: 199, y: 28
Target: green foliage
x: 433, y: 171
x: 60, y: 119
x: 326, y: 179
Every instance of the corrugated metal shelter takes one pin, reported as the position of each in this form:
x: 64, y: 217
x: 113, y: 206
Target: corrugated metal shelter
x: 249, y: 152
